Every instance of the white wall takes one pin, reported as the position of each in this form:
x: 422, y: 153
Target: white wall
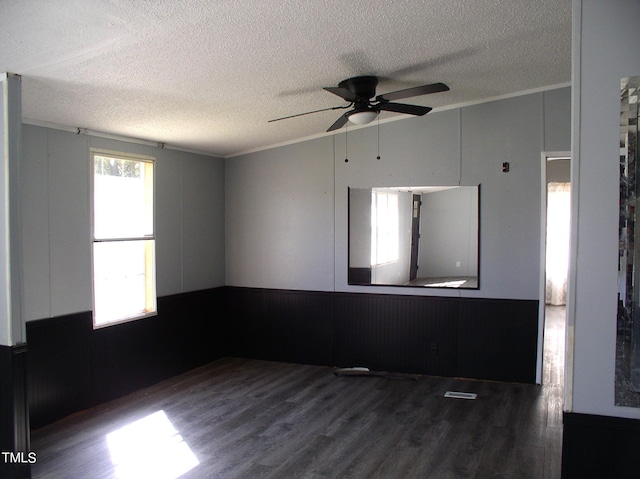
x: 607, y: 46
x: 56, y: 220
x: 286, y: 208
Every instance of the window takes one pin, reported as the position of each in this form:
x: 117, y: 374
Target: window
x: 124, y: 283
x: 384, y: 228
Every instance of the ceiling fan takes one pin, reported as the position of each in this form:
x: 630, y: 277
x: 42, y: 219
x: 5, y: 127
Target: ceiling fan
x: 360, y: 91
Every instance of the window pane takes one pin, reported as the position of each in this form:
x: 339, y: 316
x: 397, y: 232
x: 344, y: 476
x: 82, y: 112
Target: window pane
x: 124, y: 280
x: 123, y: 198
x: 384, y: 228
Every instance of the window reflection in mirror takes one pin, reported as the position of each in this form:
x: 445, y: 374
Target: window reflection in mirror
x: 412, y: 236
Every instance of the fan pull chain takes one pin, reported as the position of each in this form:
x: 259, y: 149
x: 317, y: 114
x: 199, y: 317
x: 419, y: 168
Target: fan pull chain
x: 378, y: 157
x: 346, y: 143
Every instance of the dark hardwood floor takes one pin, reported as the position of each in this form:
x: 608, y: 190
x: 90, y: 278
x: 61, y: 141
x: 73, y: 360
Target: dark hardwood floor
x: 242, y: 418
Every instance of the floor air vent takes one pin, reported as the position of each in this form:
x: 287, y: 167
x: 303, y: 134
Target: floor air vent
x: 460, y: 395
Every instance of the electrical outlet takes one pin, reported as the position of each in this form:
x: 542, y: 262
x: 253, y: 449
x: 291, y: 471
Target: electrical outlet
x: 434, y: 348
x: 458, y: 264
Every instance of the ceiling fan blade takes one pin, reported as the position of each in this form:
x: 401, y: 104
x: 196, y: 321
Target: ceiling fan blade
x: 342, y: 93
x: 340, y: 122
x: 415, y: 91
x: 404, y: 108
x: 309, y: 112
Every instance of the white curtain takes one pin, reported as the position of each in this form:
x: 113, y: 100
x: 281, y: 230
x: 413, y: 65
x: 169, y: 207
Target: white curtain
x: 558, y: 227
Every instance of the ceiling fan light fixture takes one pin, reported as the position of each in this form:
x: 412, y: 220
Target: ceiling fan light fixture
x: 360, y: 93
x: 363, y: 117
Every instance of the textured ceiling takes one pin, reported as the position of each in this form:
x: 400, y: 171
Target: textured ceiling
x: 208, y: 75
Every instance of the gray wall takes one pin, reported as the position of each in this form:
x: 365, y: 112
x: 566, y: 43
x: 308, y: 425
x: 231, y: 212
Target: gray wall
x: 559, y: 170
x: 286, y: 207
x: 279, y: 217
x: 56, y: 220
x: 360, y: 227
x: 606, y: 42
x: 454, y: 212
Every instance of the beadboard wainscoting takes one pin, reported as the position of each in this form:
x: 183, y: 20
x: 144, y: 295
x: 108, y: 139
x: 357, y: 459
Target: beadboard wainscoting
x: 462, y: 337
x: 599, y: 446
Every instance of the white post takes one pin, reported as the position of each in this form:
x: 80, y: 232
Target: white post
x: 14, y: 413
x: 12, y: 327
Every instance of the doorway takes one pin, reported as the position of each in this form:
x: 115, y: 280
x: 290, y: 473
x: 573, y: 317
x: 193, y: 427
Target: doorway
x: 555, y: 232
x: 415, y: 236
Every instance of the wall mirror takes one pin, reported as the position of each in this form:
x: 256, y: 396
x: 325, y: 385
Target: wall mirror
x: 414, y: 236
x: 628, y: 328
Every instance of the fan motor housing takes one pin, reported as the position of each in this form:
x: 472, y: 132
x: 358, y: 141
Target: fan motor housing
x: 363, y: 87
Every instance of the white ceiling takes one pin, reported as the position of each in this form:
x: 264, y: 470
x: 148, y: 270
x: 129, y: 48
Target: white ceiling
x: 208, y: 75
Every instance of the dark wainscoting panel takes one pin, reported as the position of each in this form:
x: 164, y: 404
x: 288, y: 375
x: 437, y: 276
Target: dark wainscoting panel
x: 129, y: 356
x: 14, y: 415
x: 59, y: 368
x: 196, y: 326
x: 359, y: 275
x: 187, y: 332
x: 485, y: 339
x: 281, y: 325
x: 599, y: 446
x: 412, y: 334
x: 498, y: 340
x: 72, y: 367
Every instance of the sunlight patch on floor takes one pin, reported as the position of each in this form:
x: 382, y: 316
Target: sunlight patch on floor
x: 448, y: 284
x: 150, y: 448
